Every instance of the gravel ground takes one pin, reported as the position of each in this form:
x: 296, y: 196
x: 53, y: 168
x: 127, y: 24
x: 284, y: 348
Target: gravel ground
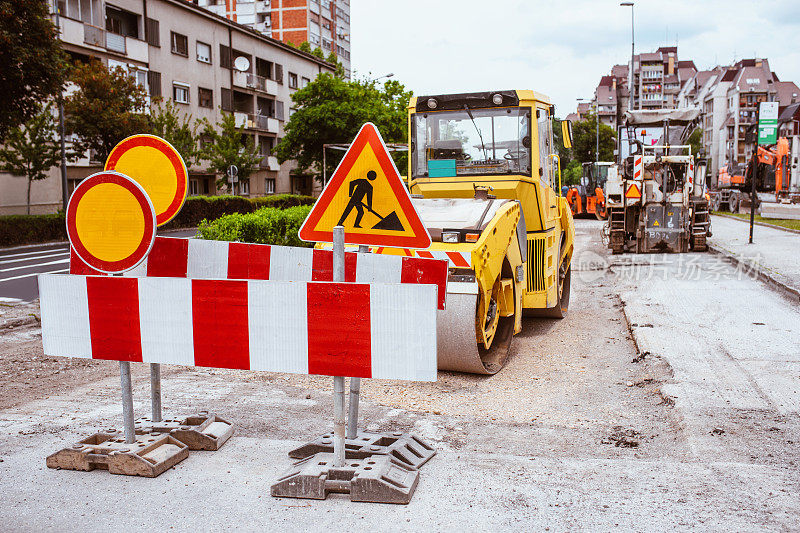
x: 580, y: 431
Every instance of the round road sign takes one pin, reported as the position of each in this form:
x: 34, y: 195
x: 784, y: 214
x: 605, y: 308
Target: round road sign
x: 154, y: 164
x: 111, y: 223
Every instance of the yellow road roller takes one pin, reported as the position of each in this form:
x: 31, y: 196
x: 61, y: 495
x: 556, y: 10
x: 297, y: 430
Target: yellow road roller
x: 485, y: 179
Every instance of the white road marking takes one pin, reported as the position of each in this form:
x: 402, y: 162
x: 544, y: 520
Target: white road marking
x: 66, y: 261
x: 63, y: 254
x: 64, y: 250
x: 34, y: 274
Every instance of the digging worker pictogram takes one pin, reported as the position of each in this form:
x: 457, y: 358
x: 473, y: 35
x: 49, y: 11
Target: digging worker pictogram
x: 360, y: 190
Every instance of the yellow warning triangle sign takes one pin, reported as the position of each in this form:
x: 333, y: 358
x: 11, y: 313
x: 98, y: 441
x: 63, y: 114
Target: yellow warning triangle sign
x: 633, y: 191
x: 368, y: 198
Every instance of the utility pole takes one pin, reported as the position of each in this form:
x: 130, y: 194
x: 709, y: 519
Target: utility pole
x: 64, y: 192
x: 630, y: 85
x: 596, y: 135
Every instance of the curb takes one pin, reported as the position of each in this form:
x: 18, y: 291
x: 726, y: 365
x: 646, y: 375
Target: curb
x: 763, y: 274
x: 765, y: 224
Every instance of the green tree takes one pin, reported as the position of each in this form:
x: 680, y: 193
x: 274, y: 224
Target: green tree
x: 571, y: 173
x: 177, y: 128
x: 331, y: 110
x: 584, y: 140
x: 107, y: 107
x: 228, y: 146
x: 695, y: 140
x: 32, y: 149
x: 32, y: 64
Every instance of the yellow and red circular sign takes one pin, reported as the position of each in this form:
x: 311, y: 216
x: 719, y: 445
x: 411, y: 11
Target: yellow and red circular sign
x: 111, y: 222
x: 157, y: 166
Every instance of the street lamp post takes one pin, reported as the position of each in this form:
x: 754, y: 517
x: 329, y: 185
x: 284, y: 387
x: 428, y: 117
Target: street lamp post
x: 596, y: 131
x: 390, y: 75
x: 630, y: 85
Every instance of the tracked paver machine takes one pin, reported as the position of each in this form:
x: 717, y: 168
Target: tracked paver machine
x: 588, y: 197
x: 658, y: 204
x: 484, y: 175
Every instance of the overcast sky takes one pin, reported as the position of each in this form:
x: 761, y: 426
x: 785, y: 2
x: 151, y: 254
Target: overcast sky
x: 559, y: 48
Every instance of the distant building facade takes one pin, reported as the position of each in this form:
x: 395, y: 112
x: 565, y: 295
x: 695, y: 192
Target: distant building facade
x: 323, y: 23
x: 176, y: 50
x: 729, y: 98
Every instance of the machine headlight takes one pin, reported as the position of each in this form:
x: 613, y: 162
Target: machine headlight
x: 432, y: 103
x: 450, y: 236
x: 497, y: 99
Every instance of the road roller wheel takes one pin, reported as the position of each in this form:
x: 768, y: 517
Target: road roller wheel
x: 494, y: 332
x: 600, y: 213
x: 564, y: 284
x: 488, y: 317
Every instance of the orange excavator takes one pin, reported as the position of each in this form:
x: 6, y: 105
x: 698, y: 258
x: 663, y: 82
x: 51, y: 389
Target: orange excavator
x: 774, y: 175
x: 587, y: 198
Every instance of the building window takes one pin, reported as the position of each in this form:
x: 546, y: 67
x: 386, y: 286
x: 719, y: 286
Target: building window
x: 194, y: 188
x: 205, y: 98
x: 203, y: 52
x: 180, y: 92
x: 154, y: 83
x: 269, y: 186
x: 292, y: 80
x: 180, y: 44
x: 304, y: 82
x: 244, y: 186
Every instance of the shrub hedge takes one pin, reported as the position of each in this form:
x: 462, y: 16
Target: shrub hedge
x: 268, y: 225
x: 199, y: 208
x: 16, y: 230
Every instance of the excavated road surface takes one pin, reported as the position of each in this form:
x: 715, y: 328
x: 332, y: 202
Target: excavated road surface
x: 698, y: 427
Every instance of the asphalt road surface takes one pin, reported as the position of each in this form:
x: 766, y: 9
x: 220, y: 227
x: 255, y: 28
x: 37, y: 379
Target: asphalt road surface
x: 668, y: 399
x: 20, y: 266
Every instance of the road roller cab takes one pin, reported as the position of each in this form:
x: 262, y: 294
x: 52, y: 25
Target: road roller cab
x: 485, y: 179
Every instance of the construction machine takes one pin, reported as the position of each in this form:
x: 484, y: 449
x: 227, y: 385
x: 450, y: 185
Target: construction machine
x: 782, y: 163
x: 485, y: 178
x: 658, y: 203
x: 777, y: 176
x: 588, y: 197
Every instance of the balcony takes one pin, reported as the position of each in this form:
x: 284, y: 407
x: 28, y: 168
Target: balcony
x: 263, y: 27
x: 255, y: 82
x: 270, y: 162
x: 79, y: 33
x: 256, y: 122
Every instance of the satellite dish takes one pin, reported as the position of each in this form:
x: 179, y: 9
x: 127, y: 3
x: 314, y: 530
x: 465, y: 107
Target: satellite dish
x: 242, y: 64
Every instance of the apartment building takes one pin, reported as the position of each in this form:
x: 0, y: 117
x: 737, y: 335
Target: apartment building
x: 205, y: 63
x: 323, y: 23
x: 656, y: 78
x: 728, y: 98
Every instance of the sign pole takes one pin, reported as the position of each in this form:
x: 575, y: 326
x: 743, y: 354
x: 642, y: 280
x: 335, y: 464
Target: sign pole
x: 338, y: 381
x: 155, y: 391
x: 753, y: 191
x: 355, y: 388
x: 127, y: 401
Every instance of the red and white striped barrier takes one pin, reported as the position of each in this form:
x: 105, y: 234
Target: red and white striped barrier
x: 201, y: 259
x: 384, y: 331
x: 454, y: 259
x: 637, y: 167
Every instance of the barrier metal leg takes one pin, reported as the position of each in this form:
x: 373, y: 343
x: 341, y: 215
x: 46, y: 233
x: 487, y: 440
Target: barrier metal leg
x: 355, y: 389
x: 338, y: 381
x: 127, y: 401
x: 155, y: 391
x: 352, y: 408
